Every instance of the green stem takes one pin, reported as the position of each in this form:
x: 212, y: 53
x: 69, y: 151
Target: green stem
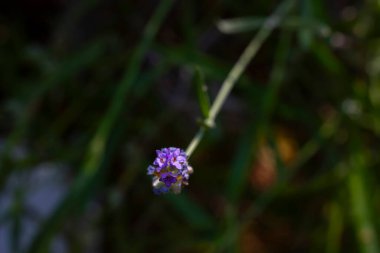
x: 195, y: 141
x: 250, y: 51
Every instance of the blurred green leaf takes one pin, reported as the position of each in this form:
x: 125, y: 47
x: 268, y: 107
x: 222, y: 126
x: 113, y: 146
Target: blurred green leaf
x: 335, y: 228
x: 327, y: 58
x: 361, y: 204
x: 202, y: 94
x: 305, y: 34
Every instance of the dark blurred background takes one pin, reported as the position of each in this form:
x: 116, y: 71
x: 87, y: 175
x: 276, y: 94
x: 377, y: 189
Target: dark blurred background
x: 89, y: 90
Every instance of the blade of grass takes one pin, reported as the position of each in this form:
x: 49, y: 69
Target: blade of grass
x: 246, y: 24
x: 361, y: 207
x: 96, y: 155
x: 327, y: 58
x: 335, y: 228
x: 187, y: 23
x: 305, y: 34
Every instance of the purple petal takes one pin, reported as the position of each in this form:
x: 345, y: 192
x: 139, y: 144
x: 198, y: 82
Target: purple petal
x: 161, y: 161
x: 177, y: 165
x: 151, y: 170
x: 168, y: 179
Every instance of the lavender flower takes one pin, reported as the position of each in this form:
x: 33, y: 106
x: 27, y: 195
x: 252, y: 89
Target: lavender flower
x: 170, y: 170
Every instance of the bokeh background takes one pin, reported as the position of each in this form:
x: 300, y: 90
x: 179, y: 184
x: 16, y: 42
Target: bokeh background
x: 89, y: 90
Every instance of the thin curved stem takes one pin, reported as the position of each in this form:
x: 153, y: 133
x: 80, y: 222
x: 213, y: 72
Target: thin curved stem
x: 250, y: 51
x: 195, y: 141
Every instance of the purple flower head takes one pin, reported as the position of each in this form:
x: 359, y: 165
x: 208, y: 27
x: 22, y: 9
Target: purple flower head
x: 170, y: 170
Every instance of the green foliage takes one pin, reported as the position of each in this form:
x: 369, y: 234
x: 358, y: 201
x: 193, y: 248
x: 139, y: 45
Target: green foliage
x: 201, y: 88
x: 285, y: 158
